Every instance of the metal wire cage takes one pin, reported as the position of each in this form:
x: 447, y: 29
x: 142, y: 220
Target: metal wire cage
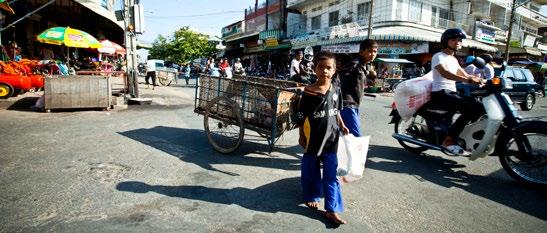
x: 263, y: 105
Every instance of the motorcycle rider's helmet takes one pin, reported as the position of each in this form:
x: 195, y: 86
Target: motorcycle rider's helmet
x: 469, y: 59
x: 451, y: 34
x: 479, y: 62
x: 487, y: 58
x: 238, y: 59
x: 308, y: 53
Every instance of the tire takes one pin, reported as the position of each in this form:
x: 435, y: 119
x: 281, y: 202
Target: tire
x: 399, y: 128
x: 165, y: 81
x: 221, y: 116
x: 529, y: 170
x: 6, y: 90
x: 528, y: 103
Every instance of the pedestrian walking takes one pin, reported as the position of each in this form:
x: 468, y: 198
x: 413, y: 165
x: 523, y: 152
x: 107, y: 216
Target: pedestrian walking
x: 320, y: 125
x: 295, y: 64
x: 352, y: 82
x: 187, y: 72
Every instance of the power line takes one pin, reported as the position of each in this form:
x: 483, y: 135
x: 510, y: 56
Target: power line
x: 198, y: 15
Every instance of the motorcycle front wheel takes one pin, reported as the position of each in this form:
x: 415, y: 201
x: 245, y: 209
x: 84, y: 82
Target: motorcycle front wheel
x: 406, y: 127
x: 527, y: 168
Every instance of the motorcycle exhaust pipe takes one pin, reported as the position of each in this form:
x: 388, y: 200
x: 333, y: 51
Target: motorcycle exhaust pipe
x: 416, y: 142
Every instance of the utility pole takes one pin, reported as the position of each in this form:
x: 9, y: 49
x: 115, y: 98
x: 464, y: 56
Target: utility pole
x: 511, y: 18
x: 131, y: 48
x: 514, y: 6
x: 267, y: 3
x: 370, y: 18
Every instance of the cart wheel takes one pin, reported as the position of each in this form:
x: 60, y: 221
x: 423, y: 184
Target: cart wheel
x: 165, y: 81
x: 6, y: 91
x: 223, y: 124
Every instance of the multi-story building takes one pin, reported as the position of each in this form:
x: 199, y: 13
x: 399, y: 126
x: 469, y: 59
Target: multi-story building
x: 262, y: 31
x: 412, y: 28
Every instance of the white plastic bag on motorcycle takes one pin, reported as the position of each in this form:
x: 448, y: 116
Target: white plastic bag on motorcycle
x: 412, y: 94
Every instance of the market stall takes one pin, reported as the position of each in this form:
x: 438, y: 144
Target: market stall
x: 391, y: 71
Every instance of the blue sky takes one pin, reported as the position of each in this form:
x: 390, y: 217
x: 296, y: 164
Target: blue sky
x: 206, y: 16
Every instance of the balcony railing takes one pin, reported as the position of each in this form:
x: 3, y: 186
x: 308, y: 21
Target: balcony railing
x: 232, y: 32
x: 291, y: 3
x: 531, y: 15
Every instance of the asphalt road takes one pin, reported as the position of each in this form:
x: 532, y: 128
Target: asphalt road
x: 150, y: 168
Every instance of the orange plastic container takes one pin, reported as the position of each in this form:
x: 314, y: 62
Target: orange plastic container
x: 17, y: 81
x: 36, y: 80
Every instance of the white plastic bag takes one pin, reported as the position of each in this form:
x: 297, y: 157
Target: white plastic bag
x: 352, y: 155
x: 412, y: 94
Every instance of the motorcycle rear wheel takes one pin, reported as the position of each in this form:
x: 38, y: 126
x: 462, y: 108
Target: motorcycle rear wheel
x: 527, y: 169
x: 401, y: 127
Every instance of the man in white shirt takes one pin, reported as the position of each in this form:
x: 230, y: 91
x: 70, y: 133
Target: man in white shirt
x: 446, y: 71
x: 295, y: 64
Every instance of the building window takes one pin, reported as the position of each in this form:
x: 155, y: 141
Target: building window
x: 534, y: 7
x: 104, y: 3
x: 333, y: 18
x: 434, y: 16
x: 316, y: 22
x: 399, y: 10
x: 363, y: 11
x: 414, y: 11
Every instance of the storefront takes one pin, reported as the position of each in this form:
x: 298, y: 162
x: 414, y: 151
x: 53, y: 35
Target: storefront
x: 79, y: 14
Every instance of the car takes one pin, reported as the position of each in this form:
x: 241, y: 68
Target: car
x: 525, y: 90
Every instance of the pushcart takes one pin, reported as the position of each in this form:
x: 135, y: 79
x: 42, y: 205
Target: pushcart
x: 229, y: 106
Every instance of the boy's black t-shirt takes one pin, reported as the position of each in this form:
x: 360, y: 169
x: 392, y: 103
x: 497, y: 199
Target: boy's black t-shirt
x: 318, y: 117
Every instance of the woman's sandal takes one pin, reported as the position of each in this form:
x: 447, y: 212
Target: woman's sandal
x: 312, y: 205
x: 335, y: 218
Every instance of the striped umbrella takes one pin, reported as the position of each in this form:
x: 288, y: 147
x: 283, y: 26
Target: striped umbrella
x: 111, y: 47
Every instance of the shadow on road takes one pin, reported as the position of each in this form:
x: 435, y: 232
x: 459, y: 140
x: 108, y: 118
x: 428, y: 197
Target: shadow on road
x: 497, y: 186
x: 191, y: 146
x: 24, y: 104
x: 279, y: 196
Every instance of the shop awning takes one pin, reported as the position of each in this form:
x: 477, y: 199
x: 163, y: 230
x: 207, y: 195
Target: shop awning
x: 393, y: 60
x: 398, y: 33
x: 533, y: 51
x: 242, y: 37
x: 395, y: 33
x: 478, y: 45
x: 93, y: 6
x: 527, y: 50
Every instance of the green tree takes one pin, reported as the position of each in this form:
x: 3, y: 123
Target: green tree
x: 159, y: 48
x: 183, y: 46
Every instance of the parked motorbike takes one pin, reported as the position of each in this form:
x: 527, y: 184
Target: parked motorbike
x: 520, y: 144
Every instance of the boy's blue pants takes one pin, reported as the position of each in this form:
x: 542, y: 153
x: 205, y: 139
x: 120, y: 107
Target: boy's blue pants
x: 351, y: 119
x: 313, y: 185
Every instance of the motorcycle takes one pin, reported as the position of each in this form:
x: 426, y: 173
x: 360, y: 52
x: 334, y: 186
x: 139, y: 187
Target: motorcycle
x: 519, y: 144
